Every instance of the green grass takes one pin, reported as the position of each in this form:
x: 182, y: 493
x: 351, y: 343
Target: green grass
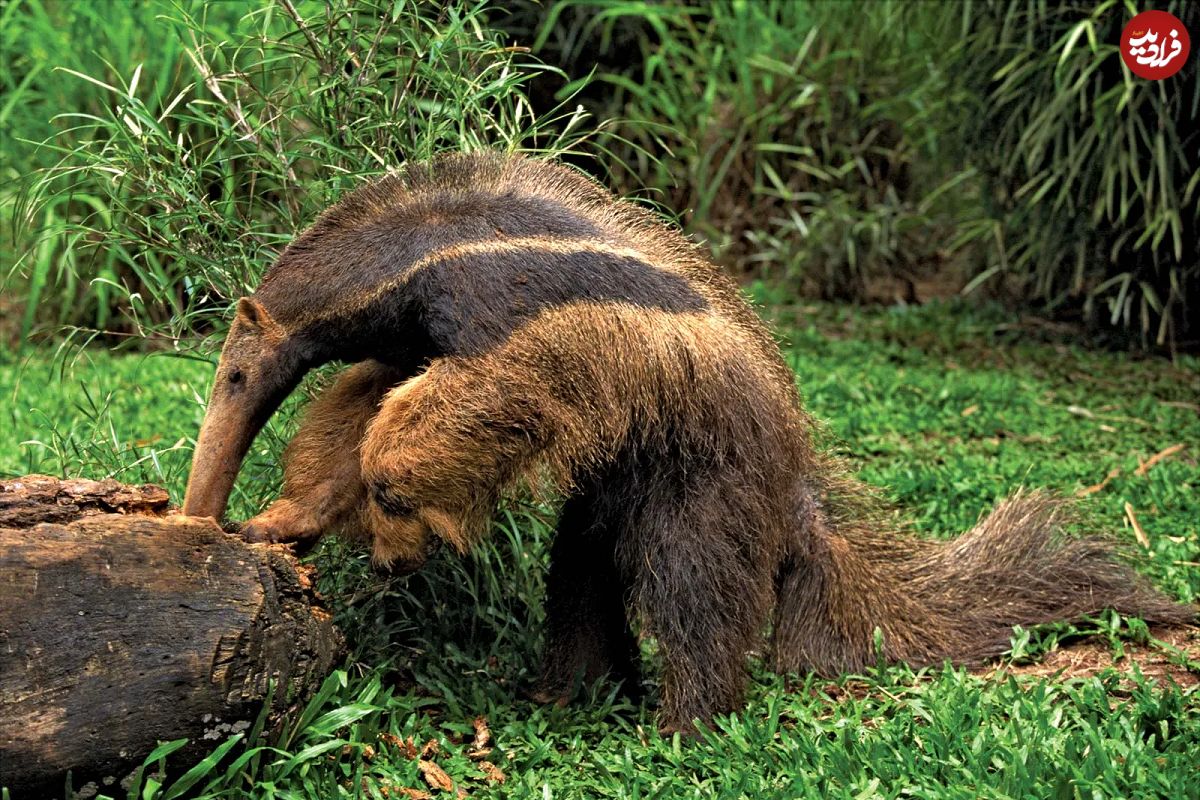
x: 947, y: 408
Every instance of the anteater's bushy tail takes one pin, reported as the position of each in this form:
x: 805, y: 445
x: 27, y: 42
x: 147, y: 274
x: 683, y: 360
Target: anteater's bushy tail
x: 957, y: 600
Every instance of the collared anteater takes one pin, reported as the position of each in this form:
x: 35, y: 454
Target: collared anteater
x: 513, y: 326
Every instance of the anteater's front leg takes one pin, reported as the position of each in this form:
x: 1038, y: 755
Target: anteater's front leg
x: 587, y: 627
x: 436, y: 458
x: 322, y: 481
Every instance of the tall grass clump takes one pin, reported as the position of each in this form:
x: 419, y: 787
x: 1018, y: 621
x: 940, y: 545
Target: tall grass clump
x: 1092, y: 174
x: 192, y: 143
x: 792, y: 136
x: 845, y: 148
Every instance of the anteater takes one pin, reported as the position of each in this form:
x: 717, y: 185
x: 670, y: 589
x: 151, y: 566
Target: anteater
x: 514, y: 327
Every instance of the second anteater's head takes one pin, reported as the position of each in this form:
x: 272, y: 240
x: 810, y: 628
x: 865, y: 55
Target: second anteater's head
x: 260, y: 365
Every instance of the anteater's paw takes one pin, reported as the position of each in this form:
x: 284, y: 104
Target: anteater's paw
x: 548, y: 695
x: 256, y: 532
x: 686, y: 731
x: 282, y: 522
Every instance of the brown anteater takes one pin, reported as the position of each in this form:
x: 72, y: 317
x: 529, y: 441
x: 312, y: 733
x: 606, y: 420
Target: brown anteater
x: 513, y: 326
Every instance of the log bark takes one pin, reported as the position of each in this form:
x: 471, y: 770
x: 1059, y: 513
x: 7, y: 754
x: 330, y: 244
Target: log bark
x: 120, y: 629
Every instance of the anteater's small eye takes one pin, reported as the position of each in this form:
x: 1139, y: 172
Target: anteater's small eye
x: 236, y: 376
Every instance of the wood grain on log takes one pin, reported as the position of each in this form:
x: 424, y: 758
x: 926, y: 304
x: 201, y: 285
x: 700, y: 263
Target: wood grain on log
x: 118, y: 631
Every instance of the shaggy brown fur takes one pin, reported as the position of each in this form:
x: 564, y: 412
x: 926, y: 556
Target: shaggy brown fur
x: 518, y: 328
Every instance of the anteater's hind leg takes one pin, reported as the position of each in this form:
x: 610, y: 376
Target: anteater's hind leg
x: 703, y: 589
x: 587, y: 627
x: 322, y: 481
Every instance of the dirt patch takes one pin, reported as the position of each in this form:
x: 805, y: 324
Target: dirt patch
x: 1090, y: 657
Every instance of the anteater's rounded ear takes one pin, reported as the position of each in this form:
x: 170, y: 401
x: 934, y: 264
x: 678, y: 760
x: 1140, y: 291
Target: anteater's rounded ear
x: 253, y: 313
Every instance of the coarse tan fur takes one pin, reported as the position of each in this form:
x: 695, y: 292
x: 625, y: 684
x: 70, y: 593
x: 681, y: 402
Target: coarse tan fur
x: 513, y: 327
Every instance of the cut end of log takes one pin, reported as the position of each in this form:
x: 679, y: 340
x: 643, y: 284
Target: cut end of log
x: 120, y: 629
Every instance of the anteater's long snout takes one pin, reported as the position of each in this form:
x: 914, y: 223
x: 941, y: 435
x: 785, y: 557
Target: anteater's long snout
x: 259, y: 367
x: 224, y: 440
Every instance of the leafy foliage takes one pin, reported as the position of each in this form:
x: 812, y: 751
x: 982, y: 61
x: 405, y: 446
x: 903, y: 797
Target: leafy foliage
x: 1093, y: 174
x: 184, y: 166
x: 835, y: 153
x: 827, y: 146
x: 791, y: 133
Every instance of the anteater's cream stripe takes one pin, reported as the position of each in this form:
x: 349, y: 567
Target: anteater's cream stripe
x: 535, y: 244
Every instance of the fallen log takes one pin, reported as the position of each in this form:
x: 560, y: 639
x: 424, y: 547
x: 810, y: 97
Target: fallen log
x: 121, y: 628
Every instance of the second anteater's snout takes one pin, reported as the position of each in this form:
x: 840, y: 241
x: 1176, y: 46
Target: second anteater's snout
x: 260, y: 365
